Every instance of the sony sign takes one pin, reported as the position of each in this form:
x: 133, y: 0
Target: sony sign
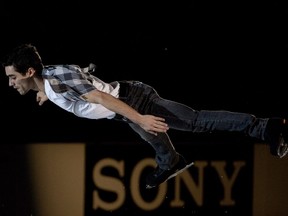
x: 115, y: 182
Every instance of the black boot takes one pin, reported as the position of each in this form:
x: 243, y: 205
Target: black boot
x: 276, y: 135
x: 158, y: 176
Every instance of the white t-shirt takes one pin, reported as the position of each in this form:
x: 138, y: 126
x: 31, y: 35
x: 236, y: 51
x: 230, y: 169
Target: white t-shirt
x: 82, y: 108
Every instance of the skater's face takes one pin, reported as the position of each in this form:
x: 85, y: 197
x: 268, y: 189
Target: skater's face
x: 21, y: 82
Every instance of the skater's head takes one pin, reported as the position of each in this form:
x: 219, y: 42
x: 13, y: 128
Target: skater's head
x: 22, y: 66
x: 24, y: 57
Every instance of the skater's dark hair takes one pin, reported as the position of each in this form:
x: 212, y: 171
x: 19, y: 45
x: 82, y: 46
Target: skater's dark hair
x: 24, y: 57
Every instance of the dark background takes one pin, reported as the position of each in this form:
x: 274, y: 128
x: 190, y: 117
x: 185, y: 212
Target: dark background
x: 208, y: 55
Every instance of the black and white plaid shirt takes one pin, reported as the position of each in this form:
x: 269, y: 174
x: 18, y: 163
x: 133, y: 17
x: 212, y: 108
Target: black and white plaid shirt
x: 68, y: 80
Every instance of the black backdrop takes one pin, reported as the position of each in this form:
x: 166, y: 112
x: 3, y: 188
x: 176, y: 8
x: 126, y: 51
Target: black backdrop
x: 207, y: 55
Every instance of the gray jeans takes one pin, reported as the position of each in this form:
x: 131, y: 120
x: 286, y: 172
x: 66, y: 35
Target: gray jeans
x: 145, y: 100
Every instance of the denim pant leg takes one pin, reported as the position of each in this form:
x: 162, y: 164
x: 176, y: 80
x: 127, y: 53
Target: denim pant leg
x: 145, y: 100
x: 180, y: 117
x: 139, y: 96
x: 165, y: 154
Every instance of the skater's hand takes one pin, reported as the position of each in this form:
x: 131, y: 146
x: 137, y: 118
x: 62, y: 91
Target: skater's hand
x: 41, y: 97
x: 153, y: 124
